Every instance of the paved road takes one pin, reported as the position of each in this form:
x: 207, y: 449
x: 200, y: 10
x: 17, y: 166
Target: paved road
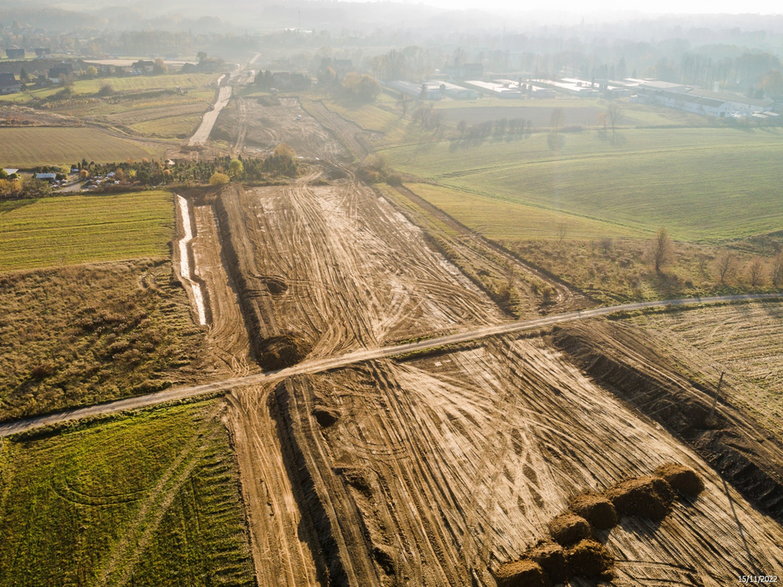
x: 320, y: 365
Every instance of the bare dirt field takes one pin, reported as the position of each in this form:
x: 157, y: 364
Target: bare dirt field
x: 438, y: 469
x: 259, y: 124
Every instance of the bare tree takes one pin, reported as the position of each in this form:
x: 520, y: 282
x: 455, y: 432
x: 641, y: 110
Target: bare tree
x: 614, y: 114
x: 725, y: 267
x: 777, y: 270
x: 663, y: 250
x: 756, y: 272
x: 562, y: 230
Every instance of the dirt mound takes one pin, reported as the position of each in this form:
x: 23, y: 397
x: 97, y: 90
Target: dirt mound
x: 357, y: 479
x: 279, y: 352
x: 683, y: 480
x: 568, y: 528
x: 521, y: 573
x: 631, y: 366
x: 596, y: 509
x: 589, y: 559
x: 551, y: 558
x: 646, y: 497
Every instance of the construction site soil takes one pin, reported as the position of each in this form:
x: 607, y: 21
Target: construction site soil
x: 439, y: 469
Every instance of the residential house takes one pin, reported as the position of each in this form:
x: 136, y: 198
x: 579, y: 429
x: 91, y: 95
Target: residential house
x: 9, y: 84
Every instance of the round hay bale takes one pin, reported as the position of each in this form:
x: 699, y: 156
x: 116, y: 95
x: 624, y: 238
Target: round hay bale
x: 521, y: 573
x: 596, y: 509
x: 568, y: 528
x: 683, y: 480
x: 589, y: 559
x: 646, y: 497
x: 551, y: 557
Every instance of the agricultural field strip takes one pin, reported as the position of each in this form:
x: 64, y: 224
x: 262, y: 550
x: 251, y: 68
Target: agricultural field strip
x: 582, y: 157
x: 631, y: 228
x: 320, y: 365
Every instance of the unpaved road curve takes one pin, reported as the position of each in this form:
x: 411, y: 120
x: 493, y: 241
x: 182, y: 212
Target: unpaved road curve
x: 320, y: 365
x: 201, y: 135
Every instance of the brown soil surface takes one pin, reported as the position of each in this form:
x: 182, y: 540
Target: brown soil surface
x: 439, y: 469
x: 257, y: 126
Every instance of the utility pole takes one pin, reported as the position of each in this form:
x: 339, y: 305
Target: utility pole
x: 711, y: 416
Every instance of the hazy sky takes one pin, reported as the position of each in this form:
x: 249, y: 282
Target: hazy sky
x: 651, y: 6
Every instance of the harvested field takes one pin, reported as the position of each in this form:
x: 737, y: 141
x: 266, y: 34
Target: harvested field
x: 92, y: 333
x: 29, y: 147
x: 744, y: 341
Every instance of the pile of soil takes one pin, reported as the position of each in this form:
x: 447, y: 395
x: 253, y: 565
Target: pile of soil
x: 596, y: 509
x: 646, y: 497
x: 551, y: 558
x: 684, y: 480
x: 569, y: 528
x: 589, y: 559
x: 521, y: 573
x: 325, y: 416
x: 279, y: 352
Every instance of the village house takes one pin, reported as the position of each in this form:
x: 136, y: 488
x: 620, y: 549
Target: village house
x: 9, y: 84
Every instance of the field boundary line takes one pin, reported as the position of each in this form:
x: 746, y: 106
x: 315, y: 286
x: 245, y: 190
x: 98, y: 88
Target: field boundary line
x: 360, y: 356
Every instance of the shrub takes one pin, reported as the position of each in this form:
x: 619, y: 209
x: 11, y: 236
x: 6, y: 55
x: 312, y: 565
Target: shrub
x: 219, y: 179
x: 568, y: 528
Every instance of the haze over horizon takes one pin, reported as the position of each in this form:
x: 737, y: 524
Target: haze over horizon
x: 616, y: 7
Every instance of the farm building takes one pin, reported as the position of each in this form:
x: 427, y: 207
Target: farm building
x: 696, y: 100
x: 9, y: 84
x: 498, y: 88
x: 50, y: 177
x: 433, y: 90
x: 58, y: 72
x: 15, y: 53
x: 42, y: 51
x: 573, y: 86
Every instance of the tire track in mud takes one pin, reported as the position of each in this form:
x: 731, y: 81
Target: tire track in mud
x: 280, y: 538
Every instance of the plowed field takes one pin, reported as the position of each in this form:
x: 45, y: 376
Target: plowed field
x: 438, y: 469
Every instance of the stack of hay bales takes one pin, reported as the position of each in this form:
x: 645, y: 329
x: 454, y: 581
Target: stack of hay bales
x: 572, y: 550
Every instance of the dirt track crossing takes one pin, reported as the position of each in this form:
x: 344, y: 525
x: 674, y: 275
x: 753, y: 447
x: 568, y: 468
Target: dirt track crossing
x: 360, y: 356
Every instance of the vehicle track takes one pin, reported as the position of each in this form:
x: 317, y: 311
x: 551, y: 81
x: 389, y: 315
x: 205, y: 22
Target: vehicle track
x: 356, y: 356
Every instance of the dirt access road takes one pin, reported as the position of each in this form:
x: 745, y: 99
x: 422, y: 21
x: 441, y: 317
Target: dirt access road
x: 351, y: 358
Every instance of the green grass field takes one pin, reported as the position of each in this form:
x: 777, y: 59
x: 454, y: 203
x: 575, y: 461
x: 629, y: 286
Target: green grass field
x: 29, y: 147
x: 576, y: 112
x: 77, y: 229
x: 151, y: 499
x: 506, y: 220
x: 703, y: 184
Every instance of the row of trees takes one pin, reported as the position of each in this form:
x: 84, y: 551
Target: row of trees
x: 728, y: 267
x: 281, y: 163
